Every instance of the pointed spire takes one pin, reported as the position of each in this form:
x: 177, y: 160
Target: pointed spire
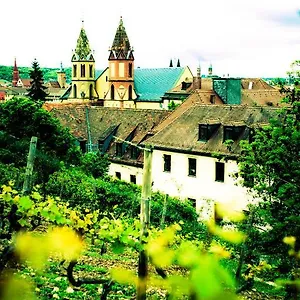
x: 83, y: 47
x: 210, y: 70
x: 171, y: 63
x: 178, y: 63
x: 121, y: 41
x: 16, y: 75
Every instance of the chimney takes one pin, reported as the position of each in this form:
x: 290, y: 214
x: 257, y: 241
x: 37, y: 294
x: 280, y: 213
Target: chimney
x: 197, y: 79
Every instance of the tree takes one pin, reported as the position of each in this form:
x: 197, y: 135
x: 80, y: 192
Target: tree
x: 270, y: 166
x: 22, y: 118
x: 37, y: 90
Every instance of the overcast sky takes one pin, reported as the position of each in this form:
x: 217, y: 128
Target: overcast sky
x: 254, y: 38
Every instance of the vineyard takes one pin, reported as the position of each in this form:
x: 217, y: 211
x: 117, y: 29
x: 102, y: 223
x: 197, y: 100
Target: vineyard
x: 69, y: 231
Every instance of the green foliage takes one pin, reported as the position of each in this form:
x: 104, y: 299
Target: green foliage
x: 270, y: 167
x: 172, y: 105
x: 95, y: 164
x: 37, y: 90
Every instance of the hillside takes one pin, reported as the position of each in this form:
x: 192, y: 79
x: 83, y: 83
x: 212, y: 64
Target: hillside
x: 49, y: 73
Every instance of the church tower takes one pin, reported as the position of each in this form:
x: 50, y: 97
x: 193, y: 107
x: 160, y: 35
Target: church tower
x: 83, y: 69
x: 16, y: 75
x: 121, y: 71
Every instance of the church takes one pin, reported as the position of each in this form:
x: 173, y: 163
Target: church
x: 120, y: 85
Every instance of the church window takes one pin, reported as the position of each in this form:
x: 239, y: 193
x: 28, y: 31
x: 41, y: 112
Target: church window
x: 130, y: 92
x: 74, y: 70
x: 91, y: 92
x: 91, y: 71
x: 112, y: 92
x: 118, y: 175
x: 82, y: 70
x: 130, y: 70
x: 75, y: 91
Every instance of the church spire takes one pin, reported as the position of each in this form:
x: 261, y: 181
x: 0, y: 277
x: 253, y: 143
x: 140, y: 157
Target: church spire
x: 16, y: 75
x: 121, y: 46
x: 83, y: 49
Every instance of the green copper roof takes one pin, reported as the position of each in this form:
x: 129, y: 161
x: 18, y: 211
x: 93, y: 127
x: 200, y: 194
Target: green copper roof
x: 83, y: 47
x: 152, y: 84
x: 121, y: 40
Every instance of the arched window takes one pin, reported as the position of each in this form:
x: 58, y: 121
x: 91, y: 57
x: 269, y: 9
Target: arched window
x: 130, y: 92
x: 112, y: 92
x: 91, y: 71
x: 75, y: 91
x: 91, y: 91
x: 130, y: 70
x: 82, y: 70
x: 74, y: 70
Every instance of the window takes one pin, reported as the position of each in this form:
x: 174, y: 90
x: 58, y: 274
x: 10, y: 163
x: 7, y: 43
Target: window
x: 130, y: 70
x: 106, y: 78
x: 133, y: 179
x: 206, y: 131
x: 112, y: 92
x: 91, y: 70
x: 192, y: 202
x: 74, y: 91
x: 118, y: 175
x: 130, y: 92
x: 119, y: 149
x: 167, y: 163
x: 134, y: 152
x: 192, y: 166
x: 212, y: 99
x: 220, y: 171
x: 91, y: 92
x: 232, y: 132
x: 82, y: 70
x: 74, y: 70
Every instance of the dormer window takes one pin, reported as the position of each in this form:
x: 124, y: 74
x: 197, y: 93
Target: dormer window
x: 233, y: 132
x: 206, y: 131
x: 119, y: 149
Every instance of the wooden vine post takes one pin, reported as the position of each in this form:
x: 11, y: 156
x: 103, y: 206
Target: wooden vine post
x: 27, y: 185
x: 145, y: 221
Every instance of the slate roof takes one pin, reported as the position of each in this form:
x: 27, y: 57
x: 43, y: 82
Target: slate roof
x: 151, y: 84
x: 179, y: 132
x: 103, y: 118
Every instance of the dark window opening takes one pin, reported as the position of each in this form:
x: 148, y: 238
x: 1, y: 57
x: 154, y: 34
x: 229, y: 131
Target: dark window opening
x: 91, y: 92
x: 75, y: 91
x: 232, y: 132
x: 134, y: 152
x: 91, y: 71
x: 82, y: 145
x: 130, y: 92
x: 192, y: 202
x: 192, y: 167
x: 212, y: 99
x: 106, y: 78
x: 220, y: 168
x: 119, y: 149
x: 118, y: 175
x: 112, y: 92
x: 206, y: 131
x: 82, y: 71
x: 167, y: 163
x: 130, y: 70
x: 133, y: 179
x: 74, y: 70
